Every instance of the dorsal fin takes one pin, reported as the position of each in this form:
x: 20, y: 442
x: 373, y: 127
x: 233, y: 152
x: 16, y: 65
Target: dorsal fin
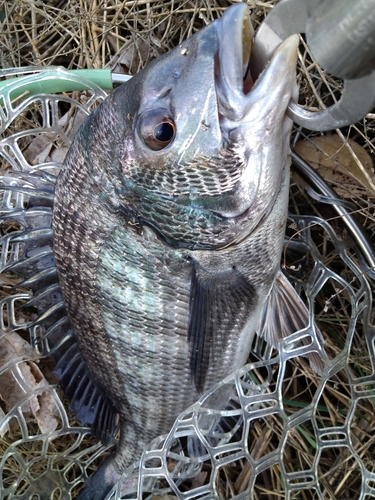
x: 33, y: 260
x: 87, y: 401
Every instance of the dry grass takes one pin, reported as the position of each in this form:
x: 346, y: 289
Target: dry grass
x: 126, y: 35
x: 93, y: 34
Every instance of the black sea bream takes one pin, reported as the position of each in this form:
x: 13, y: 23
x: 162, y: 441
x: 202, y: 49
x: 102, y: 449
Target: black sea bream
x: 168, y: 227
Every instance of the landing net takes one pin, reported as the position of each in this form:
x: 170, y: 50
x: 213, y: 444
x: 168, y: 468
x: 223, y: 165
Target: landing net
x: 285, y: 432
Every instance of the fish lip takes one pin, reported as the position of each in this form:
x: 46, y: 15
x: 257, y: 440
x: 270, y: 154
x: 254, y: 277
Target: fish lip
x: 235, y: 33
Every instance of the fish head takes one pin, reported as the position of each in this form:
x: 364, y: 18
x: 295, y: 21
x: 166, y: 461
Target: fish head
x: 201, y: 149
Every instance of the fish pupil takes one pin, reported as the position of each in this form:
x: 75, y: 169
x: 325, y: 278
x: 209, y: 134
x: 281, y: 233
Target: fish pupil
x: 164, y: 132
x: 156, y: 128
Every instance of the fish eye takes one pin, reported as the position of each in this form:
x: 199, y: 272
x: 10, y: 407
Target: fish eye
x: 157, y: 128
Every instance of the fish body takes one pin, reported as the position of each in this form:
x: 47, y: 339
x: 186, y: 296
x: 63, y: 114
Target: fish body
x: 168, y: 227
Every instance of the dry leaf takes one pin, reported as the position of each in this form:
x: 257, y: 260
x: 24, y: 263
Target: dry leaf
x: 40, y: 407
x: 58, y: 155
x: 13, y: 346
x: 199, y: 479
x: 43, y: 155
x: 332, y: 159
x: 70, y: 123
x: 131, y: 55
x: 38, y: 149
x: 42, y: 148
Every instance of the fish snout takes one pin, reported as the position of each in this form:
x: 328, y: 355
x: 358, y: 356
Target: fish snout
x: 237, y: 93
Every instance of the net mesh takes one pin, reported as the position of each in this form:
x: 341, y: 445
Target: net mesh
x: 284, y: 433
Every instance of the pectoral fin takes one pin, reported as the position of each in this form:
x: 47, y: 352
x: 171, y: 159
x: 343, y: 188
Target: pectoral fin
x: 219, y: 302
x: 285, y: 313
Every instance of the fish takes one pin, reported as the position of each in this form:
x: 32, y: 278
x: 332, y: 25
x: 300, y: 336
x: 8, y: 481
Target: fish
x: 168, y: 225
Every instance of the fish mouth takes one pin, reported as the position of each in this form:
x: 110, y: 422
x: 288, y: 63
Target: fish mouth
x: 236, y: 90
x: 232, y: 76
x: 252, y: 114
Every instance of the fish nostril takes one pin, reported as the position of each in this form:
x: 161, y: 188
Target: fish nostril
x: 234, y: 135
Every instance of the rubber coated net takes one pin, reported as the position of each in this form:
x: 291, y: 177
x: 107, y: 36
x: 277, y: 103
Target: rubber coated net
x: 284, y: 432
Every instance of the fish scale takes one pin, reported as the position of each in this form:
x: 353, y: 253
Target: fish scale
x: 208, y: 176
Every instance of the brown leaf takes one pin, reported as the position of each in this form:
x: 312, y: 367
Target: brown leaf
x: 38, y: 149
x: 70, y: 122
x: 131, y: 55
x: 40, y: 407
x: 333, y: 160
x: 58, y: 154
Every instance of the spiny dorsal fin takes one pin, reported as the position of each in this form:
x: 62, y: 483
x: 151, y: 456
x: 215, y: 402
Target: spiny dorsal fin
x: 87, y: 401
x: 33, y: 259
